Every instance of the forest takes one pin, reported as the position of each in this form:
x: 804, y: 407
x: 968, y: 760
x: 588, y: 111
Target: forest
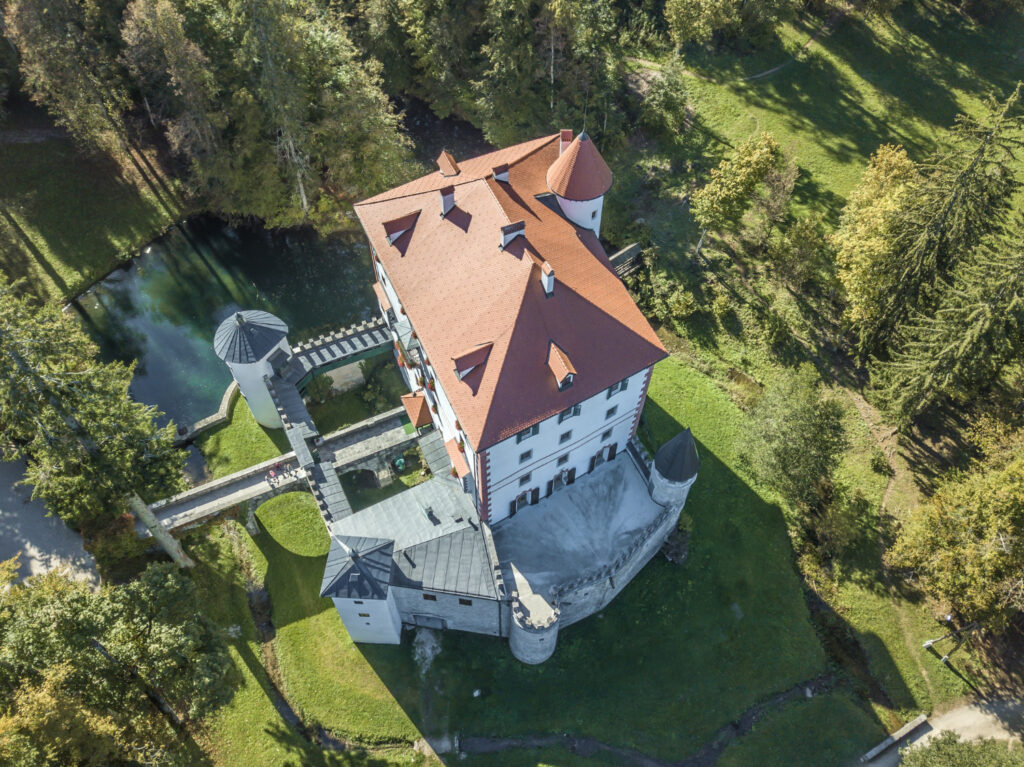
x: 845, y: 267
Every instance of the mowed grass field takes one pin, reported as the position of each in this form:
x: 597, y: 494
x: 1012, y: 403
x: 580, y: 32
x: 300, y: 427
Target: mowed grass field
x: 683, y: 650
x: 68, y: 217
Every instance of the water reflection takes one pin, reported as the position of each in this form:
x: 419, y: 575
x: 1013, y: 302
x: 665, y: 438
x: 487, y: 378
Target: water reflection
x: 163, y: 309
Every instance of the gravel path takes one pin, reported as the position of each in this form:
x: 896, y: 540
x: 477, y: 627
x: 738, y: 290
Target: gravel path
x: 996, y: 719
x: 45, y: 543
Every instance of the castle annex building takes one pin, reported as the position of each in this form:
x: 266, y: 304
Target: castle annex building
x: 527, y: 364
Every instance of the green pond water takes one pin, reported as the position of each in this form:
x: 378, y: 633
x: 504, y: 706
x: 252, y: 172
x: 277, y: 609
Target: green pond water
x: 163, y: 308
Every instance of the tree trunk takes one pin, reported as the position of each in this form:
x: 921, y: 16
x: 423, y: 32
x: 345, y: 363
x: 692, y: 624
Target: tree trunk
x: 168, y: 542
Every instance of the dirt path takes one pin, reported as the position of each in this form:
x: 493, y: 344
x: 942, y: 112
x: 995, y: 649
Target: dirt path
x: 707, y: 756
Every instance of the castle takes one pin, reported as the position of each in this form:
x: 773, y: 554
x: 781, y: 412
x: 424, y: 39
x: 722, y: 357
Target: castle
x: 525, y: 353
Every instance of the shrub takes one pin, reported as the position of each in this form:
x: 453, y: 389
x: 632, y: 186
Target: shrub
x: 319, y: 388
x: 880, y: 462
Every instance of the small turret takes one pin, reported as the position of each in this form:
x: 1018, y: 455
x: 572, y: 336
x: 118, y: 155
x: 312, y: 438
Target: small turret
x: 675, y: 469
x: 579, y: 178
x: 254, y: 344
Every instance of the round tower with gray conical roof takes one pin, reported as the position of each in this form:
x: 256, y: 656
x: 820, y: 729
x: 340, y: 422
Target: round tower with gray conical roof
x: 254, y: 344
x: 674, y: 470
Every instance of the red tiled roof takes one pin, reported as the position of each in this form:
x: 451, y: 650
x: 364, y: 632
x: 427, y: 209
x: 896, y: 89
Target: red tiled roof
x: 580, y: 173
x: 559, y: 363
x: 382, y: 296
x: 446, y: 164
x: 460, y: 291
x: 417, y: 408
x: 457, y: 457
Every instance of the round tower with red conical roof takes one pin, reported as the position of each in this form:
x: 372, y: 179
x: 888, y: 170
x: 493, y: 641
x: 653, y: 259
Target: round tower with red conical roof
x: 579, y: 179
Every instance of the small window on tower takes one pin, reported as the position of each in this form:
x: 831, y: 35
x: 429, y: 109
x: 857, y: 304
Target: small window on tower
x: 611, y: 412
x: 430, y: 597
x: 607, y: 435
x: 566, y: 436
x: 563, y: 459
x: 524, y: 480
x: 593, y: 214
x: 364, y: 615
x: 525, y: 456
x: 465, y: 602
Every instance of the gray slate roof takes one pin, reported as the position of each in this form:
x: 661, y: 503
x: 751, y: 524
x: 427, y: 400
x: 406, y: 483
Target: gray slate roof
x: 247, y: 336
x: 357, y: 568
x: 438, y: 543
x: 677, y: 459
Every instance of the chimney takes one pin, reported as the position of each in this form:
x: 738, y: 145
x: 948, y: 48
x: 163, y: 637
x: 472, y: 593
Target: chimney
x: 564, y: 139
x: 510, y: 232
x: 501, y: 173
x: 547, y: 279
x: 447, y: 200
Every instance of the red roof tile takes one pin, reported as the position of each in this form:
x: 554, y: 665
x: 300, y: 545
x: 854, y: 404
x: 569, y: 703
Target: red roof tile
x: 457, y: 457
x: 382, y: 296
x: 460, y: 291
x: 580, y: 173
x: 417, y: 408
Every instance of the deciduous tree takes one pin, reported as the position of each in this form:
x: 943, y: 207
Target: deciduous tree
x: 964, y: 543
x: 865, y: 241
x: 722, y: 201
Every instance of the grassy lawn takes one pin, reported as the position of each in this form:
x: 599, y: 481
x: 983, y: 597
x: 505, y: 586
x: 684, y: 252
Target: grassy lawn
x: 383, y: 382
x: 827, y: 729
x: 248, y: 731
x: 66, y: 217
x: 681, y: 652
x: 326, y: 676
x: 239, y: 443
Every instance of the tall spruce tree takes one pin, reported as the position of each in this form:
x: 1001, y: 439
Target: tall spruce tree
x: 964, y: 195
x: 977, y: 329
x: 92, y: 451
x: 69, y: 65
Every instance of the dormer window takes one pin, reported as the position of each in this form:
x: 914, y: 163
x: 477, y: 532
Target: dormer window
x: 470, y: 359
x: 396, y: 227
x: 446, y: 164
x: 560, y: 366
x: 511, y: 231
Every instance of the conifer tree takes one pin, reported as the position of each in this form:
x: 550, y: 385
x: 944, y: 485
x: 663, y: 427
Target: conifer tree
x: 91, y: 449
x: 964, y: 195
x: 69, y: 66
x: 977, y: 329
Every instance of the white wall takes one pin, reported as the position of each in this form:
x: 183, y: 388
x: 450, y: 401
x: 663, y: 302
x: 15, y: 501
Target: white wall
x: 587, y: 430
x: 586, y: 214
x: 249, y: 376
x: 482, y: 616
x: 371, y: 620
